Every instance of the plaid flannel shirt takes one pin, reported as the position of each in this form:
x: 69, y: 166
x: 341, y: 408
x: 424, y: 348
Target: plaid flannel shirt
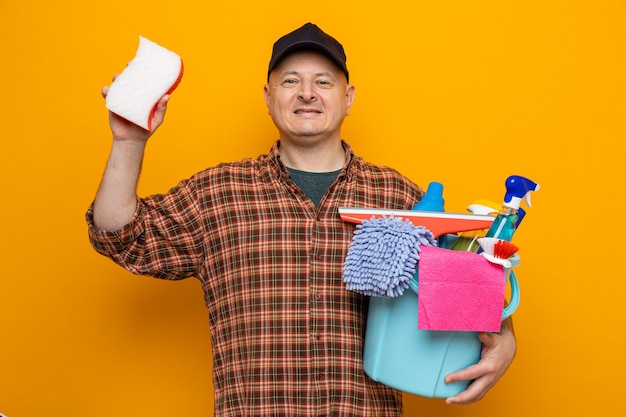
x: 286, y: 334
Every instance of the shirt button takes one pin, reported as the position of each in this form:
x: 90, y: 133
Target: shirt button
x: 318, y: 336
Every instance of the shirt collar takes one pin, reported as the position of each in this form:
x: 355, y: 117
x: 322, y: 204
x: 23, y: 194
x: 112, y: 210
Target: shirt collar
x: 279, y: 168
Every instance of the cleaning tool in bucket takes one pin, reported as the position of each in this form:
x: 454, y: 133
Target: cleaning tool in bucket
x: 459, y: 291
x: 506, y: 221
x: 432, y: 200
x: 382, y: 256
x: 438, y: 223
x: 384, y: 251
x: 467, y: 241
x: 497, y: 251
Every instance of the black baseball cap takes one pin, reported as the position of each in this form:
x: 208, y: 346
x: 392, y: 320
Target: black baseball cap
x: 309, y: 37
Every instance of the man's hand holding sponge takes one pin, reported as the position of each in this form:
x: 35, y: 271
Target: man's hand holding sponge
x: 153, y: 73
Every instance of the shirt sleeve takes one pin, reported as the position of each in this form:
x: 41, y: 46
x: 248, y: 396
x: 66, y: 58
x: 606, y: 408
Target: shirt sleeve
x: 163, y: 239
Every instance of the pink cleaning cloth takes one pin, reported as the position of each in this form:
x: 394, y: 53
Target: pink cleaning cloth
x: 459, y: 291
x: 153, y: 72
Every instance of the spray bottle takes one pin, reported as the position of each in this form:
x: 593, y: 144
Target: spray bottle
x: 506, y: 221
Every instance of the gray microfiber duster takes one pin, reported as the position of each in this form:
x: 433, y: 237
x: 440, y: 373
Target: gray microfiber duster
x: 382, y: 256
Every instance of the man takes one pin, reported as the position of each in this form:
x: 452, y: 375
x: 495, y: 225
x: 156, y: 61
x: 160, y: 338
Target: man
x: 265, y: 240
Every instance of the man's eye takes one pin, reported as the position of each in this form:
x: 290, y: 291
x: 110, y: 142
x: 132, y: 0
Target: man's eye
x: 290, y: 81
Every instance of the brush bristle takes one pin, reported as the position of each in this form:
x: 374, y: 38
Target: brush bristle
x: 503, y: 249
x: 497, y: 248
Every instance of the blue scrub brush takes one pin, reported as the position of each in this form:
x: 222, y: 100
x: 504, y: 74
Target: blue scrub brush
x: 382, y: 256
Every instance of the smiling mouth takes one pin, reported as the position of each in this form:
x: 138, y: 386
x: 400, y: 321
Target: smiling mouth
x: 307, y: 112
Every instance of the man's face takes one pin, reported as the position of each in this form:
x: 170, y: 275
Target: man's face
x: 308, y: 97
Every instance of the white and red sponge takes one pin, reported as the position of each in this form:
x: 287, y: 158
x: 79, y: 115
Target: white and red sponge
x: 153, y: 72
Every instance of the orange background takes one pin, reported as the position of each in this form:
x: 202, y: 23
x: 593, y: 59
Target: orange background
x: 461, y: 92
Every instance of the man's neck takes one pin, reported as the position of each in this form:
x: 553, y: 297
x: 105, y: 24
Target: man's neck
x: 325, y: 157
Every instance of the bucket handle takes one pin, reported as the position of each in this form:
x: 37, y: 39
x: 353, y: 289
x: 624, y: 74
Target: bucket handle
x: 514, y: 302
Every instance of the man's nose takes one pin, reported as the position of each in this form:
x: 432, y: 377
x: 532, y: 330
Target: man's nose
x: 307, y: 91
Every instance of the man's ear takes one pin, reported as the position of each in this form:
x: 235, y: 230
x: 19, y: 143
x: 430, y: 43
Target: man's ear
x: 266, y: 94
x: 350, y: 95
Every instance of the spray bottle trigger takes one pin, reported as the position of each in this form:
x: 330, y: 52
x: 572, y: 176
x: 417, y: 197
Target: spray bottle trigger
x: 527, y: 197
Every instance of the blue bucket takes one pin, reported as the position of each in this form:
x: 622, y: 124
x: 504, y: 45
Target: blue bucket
x: 399, y: 355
